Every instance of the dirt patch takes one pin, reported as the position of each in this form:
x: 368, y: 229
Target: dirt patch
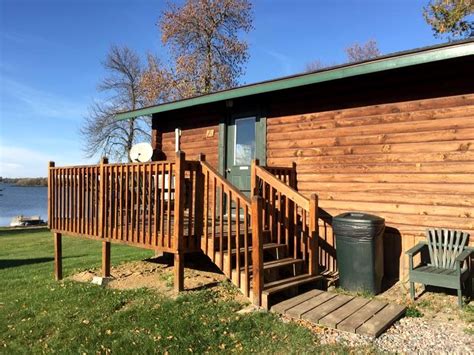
x: 157, y: 274
x: 437, y: 304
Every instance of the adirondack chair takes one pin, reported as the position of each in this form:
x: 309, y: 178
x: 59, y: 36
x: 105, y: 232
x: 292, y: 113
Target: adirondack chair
x: 448, y: 264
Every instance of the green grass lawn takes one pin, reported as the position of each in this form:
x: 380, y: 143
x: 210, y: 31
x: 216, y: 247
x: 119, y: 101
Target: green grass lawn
x: 38, y: 314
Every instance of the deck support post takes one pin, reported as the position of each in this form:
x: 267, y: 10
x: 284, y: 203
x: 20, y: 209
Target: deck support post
x: 313, y: 267
x: 257, y: 249
x: 105, y: 259
x: 58, y: 256
x: 178, y: 241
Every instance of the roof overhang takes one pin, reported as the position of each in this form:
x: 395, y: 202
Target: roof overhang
x: 389, y: 62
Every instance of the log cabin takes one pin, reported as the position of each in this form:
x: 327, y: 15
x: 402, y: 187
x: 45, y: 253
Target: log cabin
x: 391, y: 136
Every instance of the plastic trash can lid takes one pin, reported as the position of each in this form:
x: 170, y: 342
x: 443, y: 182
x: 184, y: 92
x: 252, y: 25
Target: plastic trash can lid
x: 358, y: 217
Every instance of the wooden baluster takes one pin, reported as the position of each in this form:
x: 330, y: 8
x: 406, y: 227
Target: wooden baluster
x: 246, y: 247
x: 81, y: 177
x: 128, y: 205
x: 136, y: 224
x: 201, y: 196
x: 254, y: 177
x: 295, y: 230
x: 237, y: 236
x: 229, y: 235
x: 206, y: 212
x: 221, y: 225
x: 279, y: 217
x: 214, y: 216
x: 116, y: 202
x: 304, y: 235
x: 68, y: 198
x: 156, y: 210
x: 162, y: 205
x: 257, y: 249
x: 178, y: 222
x: 151, y: 236
x: 121, y: 197
x: 168, y: 220
x: 313, y: 235
x: 143, y: 204
x: 102, y: 196
x: 73, y: 200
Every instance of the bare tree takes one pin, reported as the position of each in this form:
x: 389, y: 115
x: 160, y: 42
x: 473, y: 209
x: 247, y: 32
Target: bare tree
x: 102, y: 132
x: 314, y: 66
x: 452, y: 18
x: 359, y: 52
x: 204, y: 39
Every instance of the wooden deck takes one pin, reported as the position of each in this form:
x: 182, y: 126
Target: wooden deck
x: 352, y: 314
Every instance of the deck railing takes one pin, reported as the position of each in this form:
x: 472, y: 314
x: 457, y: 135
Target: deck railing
x: 134, y: 203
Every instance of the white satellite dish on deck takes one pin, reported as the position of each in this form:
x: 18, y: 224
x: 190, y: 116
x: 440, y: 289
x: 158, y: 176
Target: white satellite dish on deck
x: 141, y: 152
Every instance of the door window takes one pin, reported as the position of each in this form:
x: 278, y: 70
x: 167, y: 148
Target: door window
x: 244, y: 150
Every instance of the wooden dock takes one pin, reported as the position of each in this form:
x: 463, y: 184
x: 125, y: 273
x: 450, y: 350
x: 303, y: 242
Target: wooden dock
x: 352, y: 314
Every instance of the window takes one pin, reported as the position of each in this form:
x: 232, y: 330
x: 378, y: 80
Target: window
x: 244, y: 149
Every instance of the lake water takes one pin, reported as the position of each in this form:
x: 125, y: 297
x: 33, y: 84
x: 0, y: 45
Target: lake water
x: 22, y: 200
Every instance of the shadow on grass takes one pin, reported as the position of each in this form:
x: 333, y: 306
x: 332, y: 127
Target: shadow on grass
x: 4, y: 231
x: 9, y: 263
x: 196, y: 261
x: 5, y: 264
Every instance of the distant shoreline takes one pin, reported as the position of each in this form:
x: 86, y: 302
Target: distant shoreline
x: 25, y: 182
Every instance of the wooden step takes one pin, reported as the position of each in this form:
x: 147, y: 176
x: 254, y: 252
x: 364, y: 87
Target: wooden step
x: 273, y: 264
x: 269, y: 266
x: 272, y: 288
x: 216, y: 240
x: 284, y: 284
x: 267, y: 247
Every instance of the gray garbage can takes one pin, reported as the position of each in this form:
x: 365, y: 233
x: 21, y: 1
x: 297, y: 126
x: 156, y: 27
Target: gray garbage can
x: 359, y: 250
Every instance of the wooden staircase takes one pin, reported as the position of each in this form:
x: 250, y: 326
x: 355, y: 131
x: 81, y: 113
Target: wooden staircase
x: 266, y: 249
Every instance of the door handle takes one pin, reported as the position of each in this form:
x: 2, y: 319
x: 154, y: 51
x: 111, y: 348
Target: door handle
x: 228, y: 170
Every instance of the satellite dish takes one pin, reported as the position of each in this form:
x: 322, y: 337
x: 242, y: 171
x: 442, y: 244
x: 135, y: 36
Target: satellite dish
x: 141, y: 152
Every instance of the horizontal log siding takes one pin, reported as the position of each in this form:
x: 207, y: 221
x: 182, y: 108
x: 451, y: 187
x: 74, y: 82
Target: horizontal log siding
x: 410, y: 162
x: 195, y: 126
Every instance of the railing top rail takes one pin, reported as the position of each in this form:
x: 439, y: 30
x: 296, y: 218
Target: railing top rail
x: 235, y: 191
x: 286, y: 190
x: 116, y: 164
x: 74, y: 167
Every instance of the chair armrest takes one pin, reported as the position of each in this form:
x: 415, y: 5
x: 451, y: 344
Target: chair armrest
x: 416, y: 249
x: 463, y: 256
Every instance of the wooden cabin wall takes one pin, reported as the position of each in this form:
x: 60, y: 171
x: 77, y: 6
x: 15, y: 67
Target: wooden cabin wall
x: 404, y: 153
x: 199, y: 133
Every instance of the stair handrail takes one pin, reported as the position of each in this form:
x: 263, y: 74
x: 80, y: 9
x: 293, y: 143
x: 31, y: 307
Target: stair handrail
x: 252, y: 209
x: 310, y: 206
x: 225, y: 182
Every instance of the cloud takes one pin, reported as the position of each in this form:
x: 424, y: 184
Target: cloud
x: 40, y: 103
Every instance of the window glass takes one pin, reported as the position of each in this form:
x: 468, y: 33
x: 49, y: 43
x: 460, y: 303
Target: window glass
x: 244, y: 150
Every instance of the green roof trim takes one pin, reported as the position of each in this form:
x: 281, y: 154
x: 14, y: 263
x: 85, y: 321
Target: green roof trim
x: 398, y: 60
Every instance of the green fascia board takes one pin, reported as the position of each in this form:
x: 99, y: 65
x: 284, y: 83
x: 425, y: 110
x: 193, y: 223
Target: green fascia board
x: 378, y: 65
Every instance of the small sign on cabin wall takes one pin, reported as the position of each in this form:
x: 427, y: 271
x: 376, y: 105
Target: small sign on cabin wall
x: 209, y: 133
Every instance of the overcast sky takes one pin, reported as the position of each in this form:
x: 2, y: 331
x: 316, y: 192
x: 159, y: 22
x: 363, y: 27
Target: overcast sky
x: 51, y: 53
